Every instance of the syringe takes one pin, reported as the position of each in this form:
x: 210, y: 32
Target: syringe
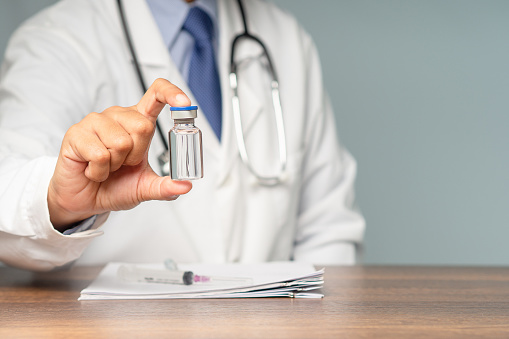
x: 140, y: 274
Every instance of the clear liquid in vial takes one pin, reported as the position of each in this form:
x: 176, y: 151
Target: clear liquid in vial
x: 186, y: 157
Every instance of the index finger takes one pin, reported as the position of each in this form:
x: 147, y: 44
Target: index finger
x: 160, y: 93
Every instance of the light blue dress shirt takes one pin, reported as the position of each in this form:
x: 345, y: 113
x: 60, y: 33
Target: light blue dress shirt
x: 170, y: 16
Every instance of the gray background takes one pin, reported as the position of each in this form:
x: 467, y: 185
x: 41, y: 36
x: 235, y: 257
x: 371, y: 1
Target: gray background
x: 421, y: 92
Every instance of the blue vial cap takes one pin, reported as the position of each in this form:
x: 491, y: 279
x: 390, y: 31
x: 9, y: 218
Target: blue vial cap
x: 185, y: 108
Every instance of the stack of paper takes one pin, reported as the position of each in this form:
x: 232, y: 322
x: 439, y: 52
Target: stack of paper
x: 274, y: 279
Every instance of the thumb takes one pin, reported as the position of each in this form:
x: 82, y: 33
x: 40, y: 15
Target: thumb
x: 154, y: 187
x: 160, y: 93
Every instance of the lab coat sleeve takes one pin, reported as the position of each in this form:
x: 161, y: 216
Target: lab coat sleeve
x: 40, y: 97
x: 330, y: 228
x: 27, y: 237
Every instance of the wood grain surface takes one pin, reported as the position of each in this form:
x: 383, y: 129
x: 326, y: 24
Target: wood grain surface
x: 360, y: 302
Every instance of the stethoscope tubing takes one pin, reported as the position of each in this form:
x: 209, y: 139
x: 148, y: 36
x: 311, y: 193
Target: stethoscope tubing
x: 264, y: 180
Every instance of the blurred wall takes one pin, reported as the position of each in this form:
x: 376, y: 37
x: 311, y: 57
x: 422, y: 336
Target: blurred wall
x: 421, y: 91
x: 13, y: 13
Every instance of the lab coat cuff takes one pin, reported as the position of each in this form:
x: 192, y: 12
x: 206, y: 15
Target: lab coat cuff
x: 85, y: 225
x: 38, y: 211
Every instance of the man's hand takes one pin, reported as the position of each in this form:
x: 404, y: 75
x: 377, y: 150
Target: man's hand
x: 103, y: 163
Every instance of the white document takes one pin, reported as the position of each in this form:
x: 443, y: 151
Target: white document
x: 273, y: 279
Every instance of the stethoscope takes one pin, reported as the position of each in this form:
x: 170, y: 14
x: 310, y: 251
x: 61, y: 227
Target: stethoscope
x: 265, y: 180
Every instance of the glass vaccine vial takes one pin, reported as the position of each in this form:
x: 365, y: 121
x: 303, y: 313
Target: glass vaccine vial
x: 185, y: 145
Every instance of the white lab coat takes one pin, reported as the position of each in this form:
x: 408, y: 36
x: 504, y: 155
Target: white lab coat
x: 72, y: 59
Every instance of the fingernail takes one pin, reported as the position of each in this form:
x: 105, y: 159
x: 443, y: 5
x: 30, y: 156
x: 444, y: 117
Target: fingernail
x: 182, y: 99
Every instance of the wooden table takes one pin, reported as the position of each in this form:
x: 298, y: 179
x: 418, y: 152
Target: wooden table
x: 361, y: 302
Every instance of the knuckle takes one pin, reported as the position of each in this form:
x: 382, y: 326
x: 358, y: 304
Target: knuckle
x: 112, y: 109
x: 94, y: 116
x: 72, y: 130
x: 123, y: 143
x: 100, y: 156
x: 132, y: 160
x: 99, y: 177
x: 92, y: 119
x: 75, y: 132
x: 160, y: 82
x: 143, y: 127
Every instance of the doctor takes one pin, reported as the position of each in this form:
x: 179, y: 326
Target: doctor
x: 86, y: 186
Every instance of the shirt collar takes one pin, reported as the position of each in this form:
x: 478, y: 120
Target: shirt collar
x: 171, y: 14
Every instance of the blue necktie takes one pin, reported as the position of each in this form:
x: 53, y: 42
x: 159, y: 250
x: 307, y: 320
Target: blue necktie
x: 203, y: 76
